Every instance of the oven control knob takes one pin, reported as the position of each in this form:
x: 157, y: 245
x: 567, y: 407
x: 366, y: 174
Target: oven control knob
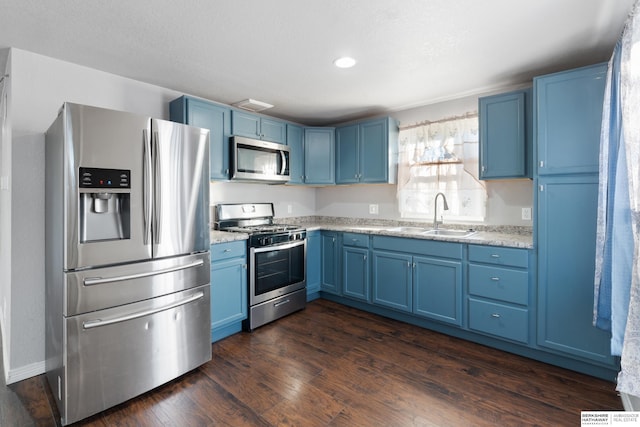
x: 264, y: 241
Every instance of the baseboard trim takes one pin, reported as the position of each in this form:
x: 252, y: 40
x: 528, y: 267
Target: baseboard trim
x: 24, y: 372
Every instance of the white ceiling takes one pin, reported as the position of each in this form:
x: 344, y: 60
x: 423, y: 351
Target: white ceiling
x: 409, y: 52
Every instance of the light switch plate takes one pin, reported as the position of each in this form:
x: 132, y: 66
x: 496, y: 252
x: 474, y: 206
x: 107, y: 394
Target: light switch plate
x: 373, y: 209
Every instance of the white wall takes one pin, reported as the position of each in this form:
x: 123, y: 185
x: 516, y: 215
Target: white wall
x: 288, y: 200
x: 38, y: 87
x: 505, y: 198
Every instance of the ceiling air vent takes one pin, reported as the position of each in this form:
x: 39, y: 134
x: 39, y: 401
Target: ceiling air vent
x: 252, y: 105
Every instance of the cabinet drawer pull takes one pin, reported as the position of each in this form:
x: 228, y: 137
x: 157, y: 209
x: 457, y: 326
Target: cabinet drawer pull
x: 495, y: 315
x: 227, y: 251
x: 495, y: 256
x: 495, y: 279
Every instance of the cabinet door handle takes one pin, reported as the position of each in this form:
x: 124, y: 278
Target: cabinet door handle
x: 495, y: 315
x: 364, y: 258
x: 414, y: 265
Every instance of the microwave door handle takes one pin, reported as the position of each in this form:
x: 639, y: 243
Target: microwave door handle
x: 146, y: 198
x: 284, y: 162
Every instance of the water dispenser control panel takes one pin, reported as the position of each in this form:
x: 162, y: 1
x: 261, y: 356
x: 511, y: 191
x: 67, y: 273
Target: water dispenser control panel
x: 105, y: 178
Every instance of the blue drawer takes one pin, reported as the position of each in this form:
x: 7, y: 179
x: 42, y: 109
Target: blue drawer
x: 498, y: 283
x: 355, y: 239
x: 499, y: 255
x: 221, y: 251
x: 500, y: 320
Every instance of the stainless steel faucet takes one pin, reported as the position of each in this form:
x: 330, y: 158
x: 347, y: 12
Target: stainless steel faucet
x: 435, y: 209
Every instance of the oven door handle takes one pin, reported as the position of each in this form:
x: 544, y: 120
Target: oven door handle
x: 278, y: 247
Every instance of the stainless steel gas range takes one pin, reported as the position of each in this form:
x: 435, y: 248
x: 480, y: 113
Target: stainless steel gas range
x: 276, y: 264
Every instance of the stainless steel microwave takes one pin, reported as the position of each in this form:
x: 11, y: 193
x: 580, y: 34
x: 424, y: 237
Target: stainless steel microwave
x: 255, y: 160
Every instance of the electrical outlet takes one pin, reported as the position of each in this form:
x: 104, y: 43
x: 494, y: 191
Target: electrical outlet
x: 373, y: 209
x: 526, y: 214
x: 289, y: 208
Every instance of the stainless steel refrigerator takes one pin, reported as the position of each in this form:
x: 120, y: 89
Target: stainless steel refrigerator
x: 127, y: 256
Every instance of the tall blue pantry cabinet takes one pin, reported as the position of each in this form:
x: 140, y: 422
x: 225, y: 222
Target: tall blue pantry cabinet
x: 568, y: 116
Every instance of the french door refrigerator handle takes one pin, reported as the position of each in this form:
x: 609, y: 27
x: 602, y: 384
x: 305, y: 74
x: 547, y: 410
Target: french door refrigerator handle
x: 90, y: 281
x: 146, y: 198
x: 90, y: 324
x: 157, y: 203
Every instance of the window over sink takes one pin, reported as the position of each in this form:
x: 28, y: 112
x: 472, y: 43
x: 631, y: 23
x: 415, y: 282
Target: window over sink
x: 441, y: 156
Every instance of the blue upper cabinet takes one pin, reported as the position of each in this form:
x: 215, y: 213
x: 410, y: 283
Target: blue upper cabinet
x: 366, y: 152
x: 253, y: 126
x: 295, y: 141
x: 217, y: 119
x: 568, y: 116
x: 506, y: 135
x: 319, y: 155
x: 347, y: 159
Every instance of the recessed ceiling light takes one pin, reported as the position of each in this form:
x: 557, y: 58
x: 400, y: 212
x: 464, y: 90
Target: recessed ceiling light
x: 345, y: 62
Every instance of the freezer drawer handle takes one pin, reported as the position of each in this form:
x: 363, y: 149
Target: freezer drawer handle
x: 99, y: 322
x: 89, y: 281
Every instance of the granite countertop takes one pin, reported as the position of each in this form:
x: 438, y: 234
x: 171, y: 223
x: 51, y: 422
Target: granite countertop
x: 217, y: 236
x: 508, y: 236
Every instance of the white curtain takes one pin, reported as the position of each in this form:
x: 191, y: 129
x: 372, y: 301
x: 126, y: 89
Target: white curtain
x: 441, y: 157
x: 617, y: 286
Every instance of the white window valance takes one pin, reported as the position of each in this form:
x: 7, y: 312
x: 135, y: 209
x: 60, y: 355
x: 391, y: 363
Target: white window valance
x: 442, y: 157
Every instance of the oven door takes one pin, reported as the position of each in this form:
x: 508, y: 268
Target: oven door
x: 276, y: 270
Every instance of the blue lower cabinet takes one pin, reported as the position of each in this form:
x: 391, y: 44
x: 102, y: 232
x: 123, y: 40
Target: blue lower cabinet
x: 228, y: 288
x: 314, y: 264
x: 355, y: 273
x: 501, y: 320
x: 330, y: 262
x: 392, y: 280
x: 437, y: 289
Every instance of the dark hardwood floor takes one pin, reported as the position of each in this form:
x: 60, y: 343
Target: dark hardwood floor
x: 330, y: 365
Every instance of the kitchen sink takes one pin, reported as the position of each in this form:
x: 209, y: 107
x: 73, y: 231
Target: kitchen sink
x: 407, y: 229
x: 449, y: 233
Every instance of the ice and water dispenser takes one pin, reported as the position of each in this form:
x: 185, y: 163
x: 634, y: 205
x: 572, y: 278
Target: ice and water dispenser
x: 105, y: 212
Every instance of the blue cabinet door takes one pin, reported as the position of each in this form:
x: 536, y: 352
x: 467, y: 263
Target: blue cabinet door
x: 253, y: 126
x: 273, y: 130
x: 566, y: 257
x: 295, y: 141
x: 392, y: 280
x: 505, y: 135
x: 245, y: 124
x: 355, y: 270
x: 347, y: 154
x: 568, y: 117
x: 319, y: 155
x: 228, y: 292
x: 314, y: 263
x: 210, y: 116
x: 374, y: 151
x: 437, y: 286
x: 363, y: 149
x: 330, y: 263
